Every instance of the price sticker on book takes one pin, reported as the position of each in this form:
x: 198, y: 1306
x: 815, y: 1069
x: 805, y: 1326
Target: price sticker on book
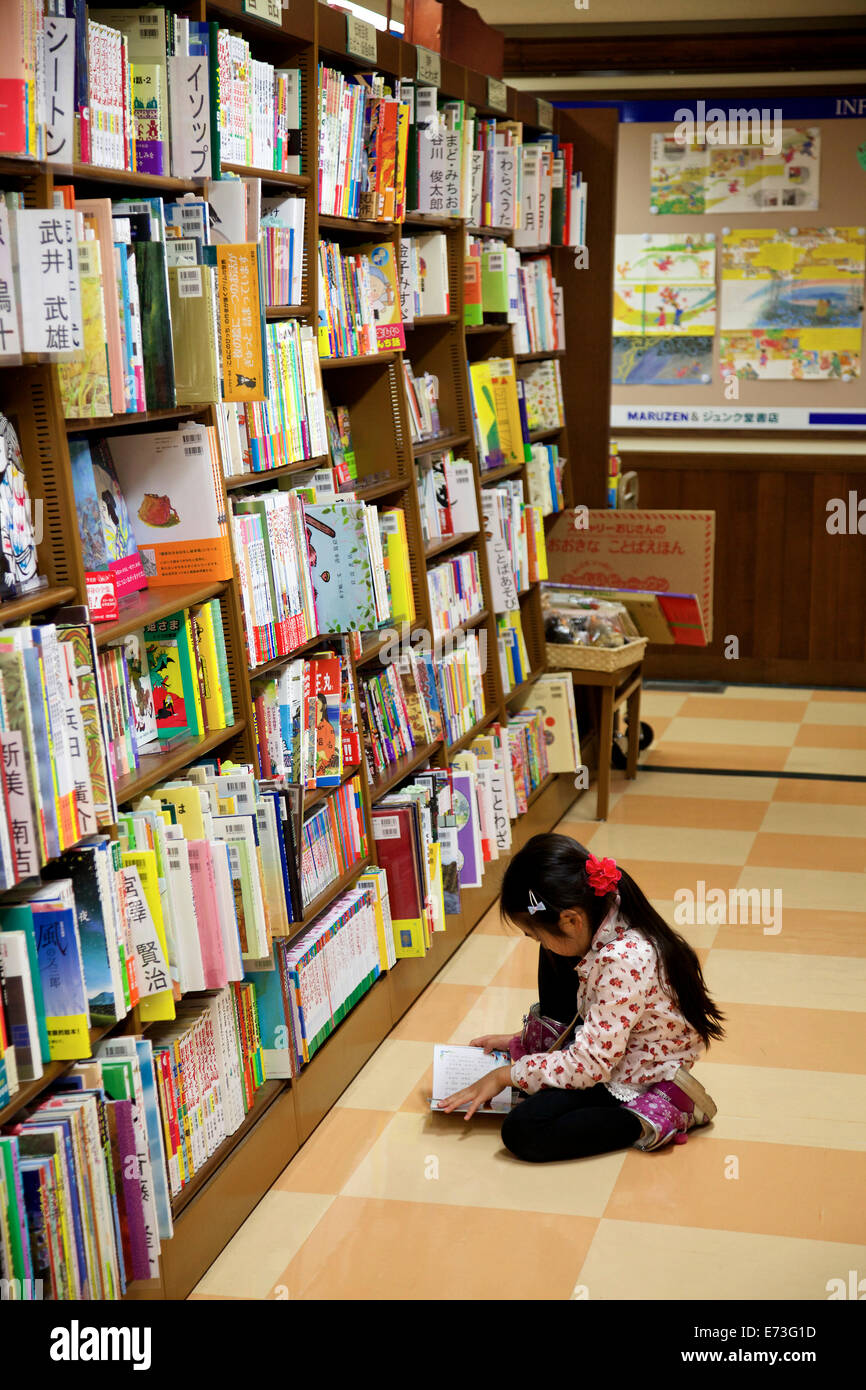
x: 428, y: 67
x: 497, y: 94
x: 545, y: 113
x: 361, y: 39
x: 271, y: 11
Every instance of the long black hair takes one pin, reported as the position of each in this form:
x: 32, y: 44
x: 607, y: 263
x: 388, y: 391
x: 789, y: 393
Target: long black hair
x: 552, y: 868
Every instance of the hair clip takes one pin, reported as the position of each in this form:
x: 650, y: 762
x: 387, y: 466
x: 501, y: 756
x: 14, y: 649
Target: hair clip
x: 534, y: 904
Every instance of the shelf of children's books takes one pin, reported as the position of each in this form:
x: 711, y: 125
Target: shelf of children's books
x: 443, y: 543
x: 128, y: 178
x: 486, y: 327
x: 524, y: 685
x: 39, y: 601
x: 489, y: 231
x: 473, y: 621
x: 539, y: 356
x: 359, y: 359
x: 30, y: 1091
x: 262, y: 475
x: 273, y: 176
x: 315, y: 795
x: 358, y: 226
x: 478, y: 727
x: 439, y: 444
x: 431, y: 219
x: 134, y: 417
x: 263, y: 1099
x: 156, y: 767
x: 328, y: 895
x: 549, y: 433
x: 266, y: 667
x: 150, y: 605
x: 430, y: 321
x: 493, y: 475
x: 393, y: 773
x: 275, y: 312
x: 542, y: 786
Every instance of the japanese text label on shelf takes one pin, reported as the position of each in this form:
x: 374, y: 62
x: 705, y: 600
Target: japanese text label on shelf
x: 497, y: 94
x: 361, y: 39
x: 268, y: 10
x: 428, y: 67
x: 48, y: 259
x: 545, y: 113
x: 60, y: 88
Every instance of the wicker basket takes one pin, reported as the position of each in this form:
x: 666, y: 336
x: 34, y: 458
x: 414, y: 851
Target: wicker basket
x: 562, y: 657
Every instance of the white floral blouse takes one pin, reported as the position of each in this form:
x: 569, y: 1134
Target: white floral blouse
x: 632, y: 1035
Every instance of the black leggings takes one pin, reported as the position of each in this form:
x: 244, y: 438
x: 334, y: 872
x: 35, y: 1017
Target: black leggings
x: 553, y: 1125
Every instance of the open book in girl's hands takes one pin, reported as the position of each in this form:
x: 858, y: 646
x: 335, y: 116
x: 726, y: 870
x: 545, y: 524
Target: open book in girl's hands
x: 455, y: 1068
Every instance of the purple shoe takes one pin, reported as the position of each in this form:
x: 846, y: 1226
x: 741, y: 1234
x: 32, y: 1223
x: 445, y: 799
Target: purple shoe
x: 668, y: 1110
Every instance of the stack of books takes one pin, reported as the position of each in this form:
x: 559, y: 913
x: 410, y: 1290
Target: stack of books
x: 363, y: 133
x: 544, y: 472
x: 542, y: 387
x: 498, y: 411
x: 539, y: 326
x: 455, y: 592
x: 513, y: 657
x: 359, y: 301
x: 288, y: 425
x: 446, y: 493
x: 459, y: 675
x: 333, y: 840
x: 422, y: 397
x: 424, y: 291
x: 307, y: 721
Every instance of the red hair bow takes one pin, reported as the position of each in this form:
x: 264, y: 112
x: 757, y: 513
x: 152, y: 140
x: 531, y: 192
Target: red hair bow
x: 602, y: 875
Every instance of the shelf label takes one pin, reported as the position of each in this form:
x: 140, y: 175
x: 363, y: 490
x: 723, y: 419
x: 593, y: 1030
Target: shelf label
x: 545, y: 113
x: 361, y: 39
x: 497, y: 94
x: 428, y: 67
x: 271, y: 11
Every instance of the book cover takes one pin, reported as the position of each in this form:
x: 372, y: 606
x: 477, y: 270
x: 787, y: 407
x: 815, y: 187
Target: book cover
x: 170, y: 677
x: 63, y: 985
x: 144, y: 724
x: 339, y: 567
x: 384, y: 290
x: 121, y: 550
x: 153, y: 298
x: 397, y: 853
x: 240, y: 316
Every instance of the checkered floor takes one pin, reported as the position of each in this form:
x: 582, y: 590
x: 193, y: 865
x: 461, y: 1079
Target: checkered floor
x: 387, y: 1201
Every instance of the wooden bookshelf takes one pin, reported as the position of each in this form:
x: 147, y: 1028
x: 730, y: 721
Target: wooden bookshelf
x: 283, y: 1114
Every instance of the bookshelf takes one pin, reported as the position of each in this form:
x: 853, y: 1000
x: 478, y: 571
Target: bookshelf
x: 214, y: 1205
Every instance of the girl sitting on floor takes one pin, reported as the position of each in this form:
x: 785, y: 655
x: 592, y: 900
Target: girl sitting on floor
x: 622, y: 1075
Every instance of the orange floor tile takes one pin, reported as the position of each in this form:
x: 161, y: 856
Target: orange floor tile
x: 386, y: 1201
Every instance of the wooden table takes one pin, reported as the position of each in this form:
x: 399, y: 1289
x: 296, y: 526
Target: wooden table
x: 615, y: 689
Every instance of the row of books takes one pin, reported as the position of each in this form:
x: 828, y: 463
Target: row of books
x: 313, y: 982
x: 455, y: 592
x: 514, y: 661
x: 363, y: 133
x: 424, y: 290
x: 149, y: 91
x: 150, y: 509
x: 307, y: 568
x: 88, y: 1176
x: 446, y: 495
x: 422, y: 398
x: 307, y: 721
x: 341, y: 443
x: 282, y: 230
x: 539, y: 325
x: 395, y: 719
x: 499, y: 412
x: 542, y: 391
x: 359, y: 301
x: 544, y: 473
x: 288, y: 425
x: 514, y: 536
x: 459, y: 674
x: 333, y: 839
x: 208, y: 1064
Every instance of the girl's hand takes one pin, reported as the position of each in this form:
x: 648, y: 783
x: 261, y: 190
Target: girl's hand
x: 493, y: 1042
x: 479, y: 1094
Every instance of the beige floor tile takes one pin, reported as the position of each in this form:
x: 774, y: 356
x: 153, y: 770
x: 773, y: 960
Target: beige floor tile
x: 742, y: 707
x: 420, y: 1250
x: 389, y: 1076
x: 774, y: 849
x: 688, y: 812
x: 473, y: 1169
x: 664, y: 703
x: 812, y: 1189
x: 660, y: 878
x: 582, y: 830
x: 836, y: 712
x: 768, y: 692
x: 812, y: 792
x: 333, y: 1151
x: 660, y: 842
x: 741, y: 733
x: 434, y: 1016
x: 520, y: 971
x: 700, y: 935
x: 491, y: 924
x: 775, y: 1105
x: 828, y: 735
x: 478, y: 960
x: 709, y: 788
x: 499, y: 1010
x: 271, y: 1236
x: 839, y: 696
x: 801, y: 818
x: 827, y: 983
x: 804, y: 932
x: 635, y: 1260
x: 770, y: 1035
x: 829, y: 762
x: 814, y: 888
